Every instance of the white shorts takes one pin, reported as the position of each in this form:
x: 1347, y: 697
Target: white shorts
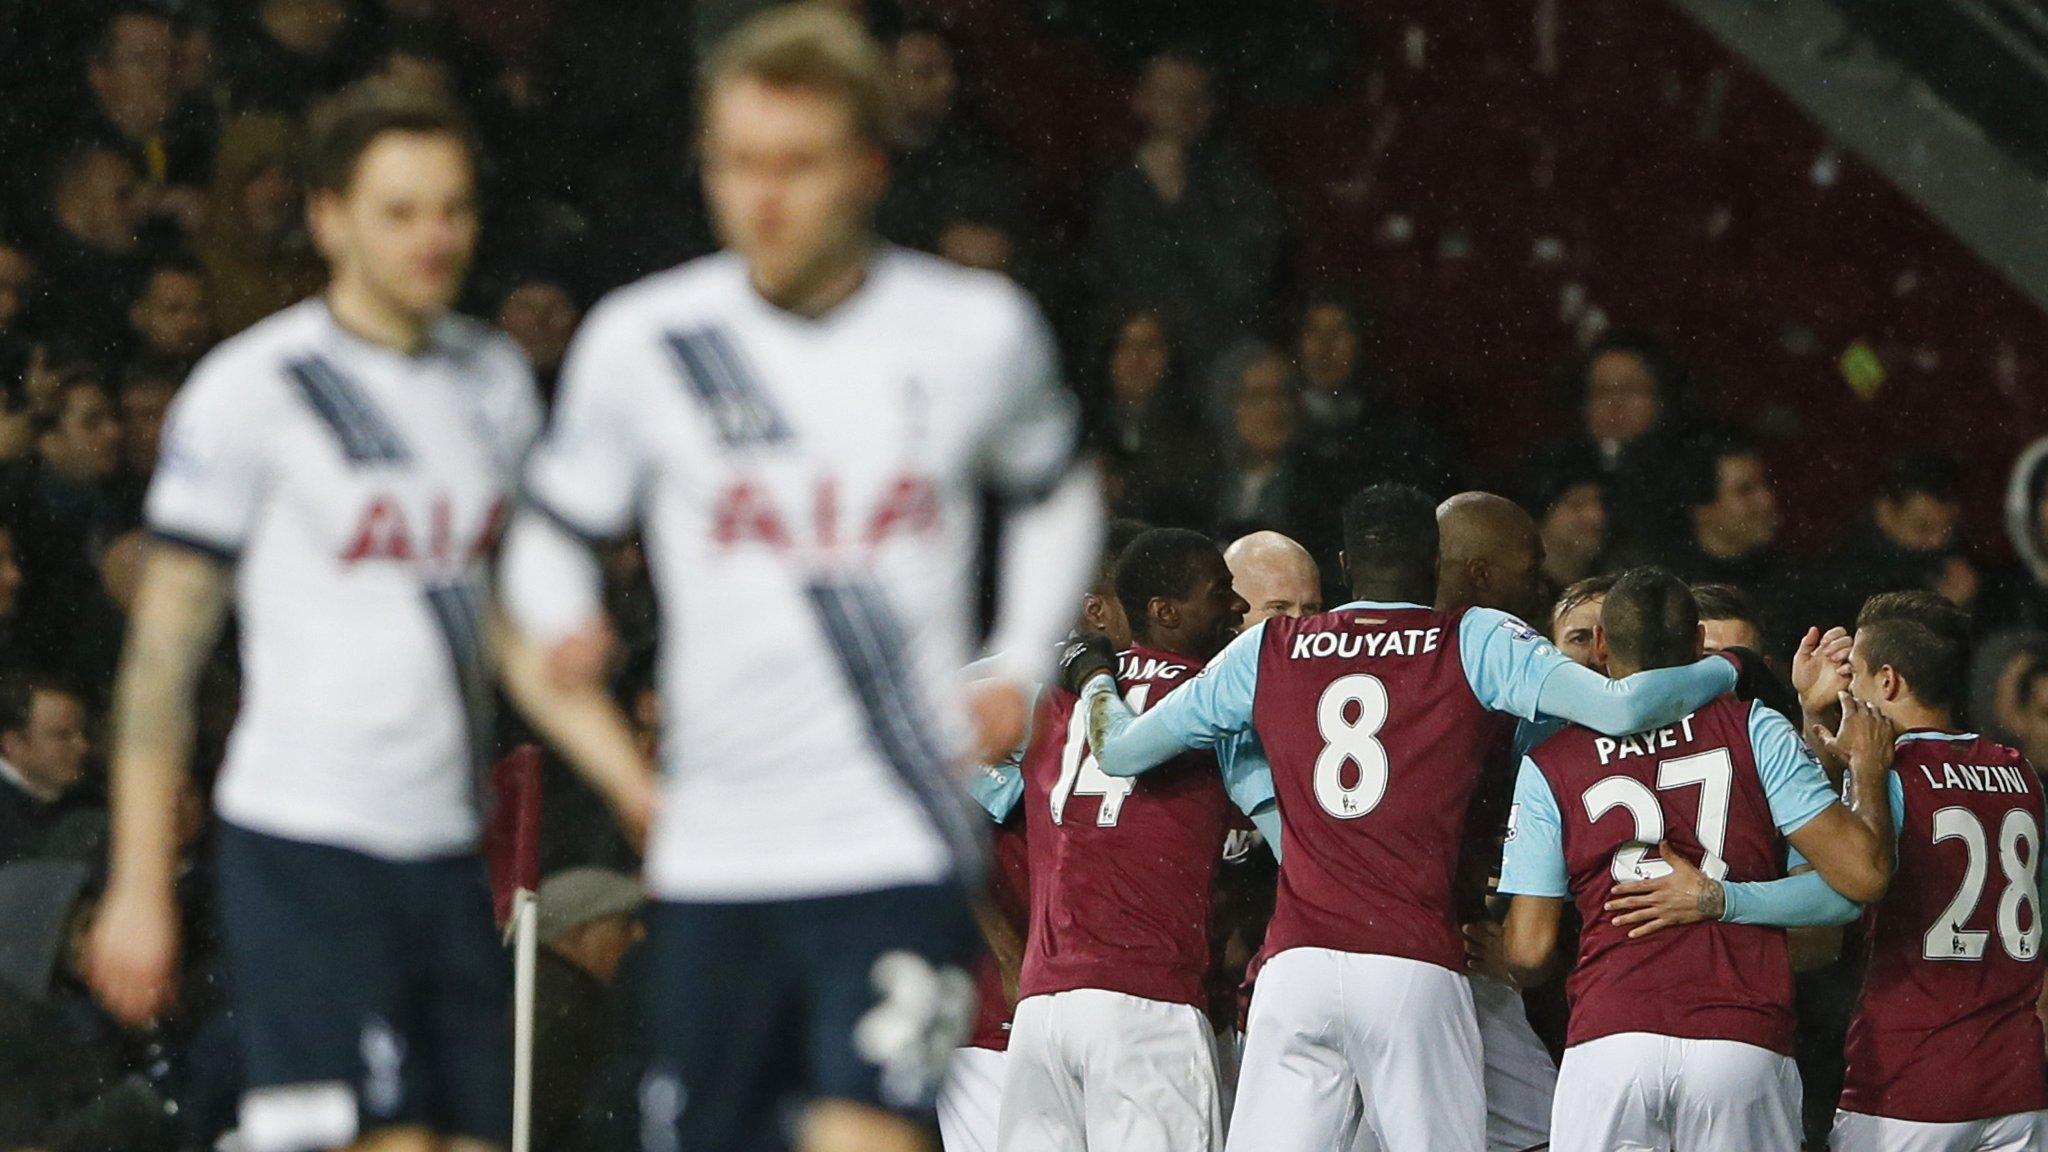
x: 1520, y: 1076
x: 1099, y: 1070
x: 971, y: 1100
x: 2020, y: 1132
x: 1343, y: 1041
x: 1640, y: 1092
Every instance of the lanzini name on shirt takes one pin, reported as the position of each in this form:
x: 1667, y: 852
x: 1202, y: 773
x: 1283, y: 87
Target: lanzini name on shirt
x: 2004, y: 778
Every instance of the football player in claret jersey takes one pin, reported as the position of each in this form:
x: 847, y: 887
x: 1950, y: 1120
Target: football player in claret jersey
x: 808, y: 425
x: 1377, y: 719
x: 340, y: 469
x: 1112, y: 1047
x: 1945, y: 1050
x: 970, y: 1101
x: 1684, y: 1039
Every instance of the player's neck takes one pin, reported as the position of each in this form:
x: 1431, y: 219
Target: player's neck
x: 1906, y: 713
x: 824, y: 286
x: 360, y: 313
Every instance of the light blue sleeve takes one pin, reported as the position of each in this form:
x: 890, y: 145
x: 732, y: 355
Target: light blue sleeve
x: 1896, y: 789
x: 998, y: 787
x: 1532, y: 861
x: 1247, y: 778
x: 1794, y: 783
x: 1203, y: 713
x: 1267, y: 821
x: 1802, y: 901
x: 1512, y: 669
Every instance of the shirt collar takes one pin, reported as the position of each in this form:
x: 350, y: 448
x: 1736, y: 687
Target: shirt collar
x: 1933, y: 734
x: 1382, y: 605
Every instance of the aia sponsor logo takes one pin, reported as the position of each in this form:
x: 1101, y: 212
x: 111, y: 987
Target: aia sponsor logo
x: 747, y: 513
x: 386, y: 532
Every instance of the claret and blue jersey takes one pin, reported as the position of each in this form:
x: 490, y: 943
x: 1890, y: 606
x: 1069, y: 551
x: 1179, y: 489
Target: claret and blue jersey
x: 1372, y: 724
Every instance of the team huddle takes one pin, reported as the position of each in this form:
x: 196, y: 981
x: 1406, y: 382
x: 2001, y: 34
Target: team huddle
x: 1253, y: 875
x: 1688, y: 823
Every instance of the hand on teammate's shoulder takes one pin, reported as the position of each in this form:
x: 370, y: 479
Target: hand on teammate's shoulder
x: 1083, y: 657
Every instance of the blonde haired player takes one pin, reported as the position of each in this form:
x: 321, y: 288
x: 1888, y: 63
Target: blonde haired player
x: 807, y: 427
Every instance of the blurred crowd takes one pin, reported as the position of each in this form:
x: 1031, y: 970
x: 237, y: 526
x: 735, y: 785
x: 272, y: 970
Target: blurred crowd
x: 151, y: 207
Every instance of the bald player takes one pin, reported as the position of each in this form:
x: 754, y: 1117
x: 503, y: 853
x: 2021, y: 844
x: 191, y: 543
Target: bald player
x: 1492, y: 557
x: 1275, y: 575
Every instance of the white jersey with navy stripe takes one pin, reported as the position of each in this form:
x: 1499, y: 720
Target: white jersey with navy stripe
x: 810, y: 492
x: 356, y: 490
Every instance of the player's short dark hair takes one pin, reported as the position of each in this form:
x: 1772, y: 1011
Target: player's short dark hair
x: 1923, y: 637
x: 1160, y: 562
x: 1651, y: 619
x: 1699, y: 464
x: 1391, y: 527
x: 18, y: 691
x: 1725, y: 602
x: 342, y: 129
x: 1930, y: 474
x: 1115, y: 538
x: 1580, y: 591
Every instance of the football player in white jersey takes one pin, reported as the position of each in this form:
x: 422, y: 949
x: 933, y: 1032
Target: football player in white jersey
x: 340, y: 471
x: 806, y: 427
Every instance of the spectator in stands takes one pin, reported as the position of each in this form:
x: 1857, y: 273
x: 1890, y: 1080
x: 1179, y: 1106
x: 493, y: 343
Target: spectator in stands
x: 940, y: 156
x: 1908, y: 540
x: 1576, y: 615
x: 17, y: 283
x: 415, y: 64
x: 171, y: 319
x: 540, y: 314
x: 43, y: 747
x: 1188, y: 221
x: 289, y: 56
x: 1630, y: 421
x: 1353, y: 432
x: 1732, y: 529
x: 17, y: 286
x: 69, y: 517
x: 88, y: 255
x: 1264, y: 482
x: 147, y: 387
x: 132, y: 85
x: 1566, y: 492
x: 2026, y: 716
x: 257, y: 256
x: 589, y: 920
x: 1145, y: 423
x: 70, y: 1081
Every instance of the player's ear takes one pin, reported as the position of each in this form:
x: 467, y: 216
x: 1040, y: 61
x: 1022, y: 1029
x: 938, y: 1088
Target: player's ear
x: 1599, y: 645
x: 1699, y: 640
x: 1890, y: 683
x: 1163, y: 612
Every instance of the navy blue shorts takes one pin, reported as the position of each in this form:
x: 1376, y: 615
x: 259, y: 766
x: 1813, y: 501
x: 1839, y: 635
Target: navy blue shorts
x: 367, y: 993
x: 754, y: 1008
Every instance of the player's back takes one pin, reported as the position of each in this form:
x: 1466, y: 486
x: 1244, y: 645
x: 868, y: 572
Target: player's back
x: 1946, y: 1031
x: 1121, y: 867
x: 1696, y: 784
x: 811, y: 489
x: 1376, y: 742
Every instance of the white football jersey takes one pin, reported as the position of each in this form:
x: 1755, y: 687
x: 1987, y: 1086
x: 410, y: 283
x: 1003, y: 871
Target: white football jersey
x: 356, y: 490
x: 811, y: 493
